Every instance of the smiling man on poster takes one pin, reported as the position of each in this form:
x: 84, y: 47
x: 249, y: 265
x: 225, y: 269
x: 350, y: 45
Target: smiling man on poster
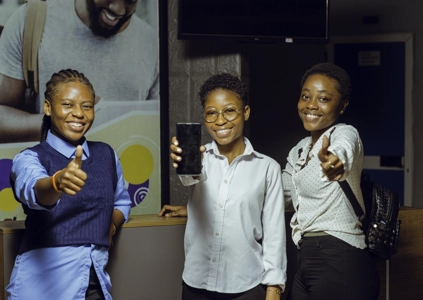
x: 103, y: 39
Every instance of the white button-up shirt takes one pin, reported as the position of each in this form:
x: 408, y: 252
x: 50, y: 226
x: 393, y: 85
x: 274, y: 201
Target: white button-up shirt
x: 235, y: 235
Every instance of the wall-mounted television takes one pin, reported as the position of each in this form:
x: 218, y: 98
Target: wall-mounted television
x: 287, y: 21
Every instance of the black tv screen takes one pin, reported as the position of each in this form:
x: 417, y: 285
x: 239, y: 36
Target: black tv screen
x: 285, y: 21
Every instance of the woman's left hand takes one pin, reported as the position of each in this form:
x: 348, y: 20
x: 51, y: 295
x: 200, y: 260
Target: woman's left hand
x: 272, y: 296
x: 331, y: 164
x: 112, y: 231
x: 116, y: 221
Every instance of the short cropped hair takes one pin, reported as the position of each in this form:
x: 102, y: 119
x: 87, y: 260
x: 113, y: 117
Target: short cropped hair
x: 224, y: 81
x: 335, y: 72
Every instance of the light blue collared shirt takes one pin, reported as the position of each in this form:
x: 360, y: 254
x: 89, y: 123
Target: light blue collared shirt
x: 58, y: 272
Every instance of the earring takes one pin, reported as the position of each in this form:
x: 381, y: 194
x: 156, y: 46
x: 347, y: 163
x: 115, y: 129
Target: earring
x: 341, y: 112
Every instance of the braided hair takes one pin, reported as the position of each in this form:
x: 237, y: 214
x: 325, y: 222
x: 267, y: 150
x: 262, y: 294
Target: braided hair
x: 53, y: 87
x: 224, y: 81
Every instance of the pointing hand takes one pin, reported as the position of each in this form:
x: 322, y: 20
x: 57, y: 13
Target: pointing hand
x: 331, y: 165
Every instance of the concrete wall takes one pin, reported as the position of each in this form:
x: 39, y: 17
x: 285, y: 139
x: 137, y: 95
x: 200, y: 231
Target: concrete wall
x: 190, y: 64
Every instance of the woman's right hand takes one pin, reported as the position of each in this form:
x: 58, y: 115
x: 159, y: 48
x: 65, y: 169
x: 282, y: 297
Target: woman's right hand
x: 72, y: 179
x: 173, y: 211
x: 331, y: 165
x: 69, y: 180
x: 176, y: 151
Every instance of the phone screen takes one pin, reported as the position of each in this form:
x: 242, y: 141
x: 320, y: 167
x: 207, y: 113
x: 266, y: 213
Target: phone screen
x: 189, y: 139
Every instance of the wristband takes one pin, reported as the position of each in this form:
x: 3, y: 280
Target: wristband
x: 53, y: 181
x: 276, y: 290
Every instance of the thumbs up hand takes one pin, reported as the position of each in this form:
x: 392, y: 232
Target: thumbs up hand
x: 77, y: 161
x: 71, y: 179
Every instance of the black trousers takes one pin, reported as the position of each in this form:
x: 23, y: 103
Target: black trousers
x: 331, y: 269
x: 94, y: 291
x: 190, y: 293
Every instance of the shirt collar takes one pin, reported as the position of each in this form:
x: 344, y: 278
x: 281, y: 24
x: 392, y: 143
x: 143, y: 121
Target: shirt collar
x: 65, y: 148
x: 249, y: 150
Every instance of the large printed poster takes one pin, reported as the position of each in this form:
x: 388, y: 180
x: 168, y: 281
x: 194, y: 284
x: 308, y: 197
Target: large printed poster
x: 130, y: 124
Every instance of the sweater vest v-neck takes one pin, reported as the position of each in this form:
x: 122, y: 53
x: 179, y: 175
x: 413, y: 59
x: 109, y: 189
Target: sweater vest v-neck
x: 80, y: 219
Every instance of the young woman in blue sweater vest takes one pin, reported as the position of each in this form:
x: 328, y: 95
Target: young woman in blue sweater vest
x: 74, y: 196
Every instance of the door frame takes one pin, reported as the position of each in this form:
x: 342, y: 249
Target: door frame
x: 373, y: 162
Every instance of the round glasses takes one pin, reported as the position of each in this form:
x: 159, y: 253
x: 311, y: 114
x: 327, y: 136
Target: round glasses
x: 229, y: 113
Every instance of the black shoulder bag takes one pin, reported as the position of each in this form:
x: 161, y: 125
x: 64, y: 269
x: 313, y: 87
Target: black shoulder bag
x: 381, y: 225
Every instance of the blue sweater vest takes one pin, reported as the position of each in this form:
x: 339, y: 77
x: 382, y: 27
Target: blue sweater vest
x: 80, y: 219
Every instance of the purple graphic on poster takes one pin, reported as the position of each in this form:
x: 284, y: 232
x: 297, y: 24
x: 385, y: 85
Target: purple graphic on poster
x: 5, y: 168
x: 138, y: 192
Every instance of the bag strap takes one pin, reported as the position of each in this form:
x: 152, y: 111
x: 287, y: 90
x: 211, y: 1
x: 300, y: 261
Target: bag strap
x: 349, y: 193
x: 33, y: 31
x: 353, y: 199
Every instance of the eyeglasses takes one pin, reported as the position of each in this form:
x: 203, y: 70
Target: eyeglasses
x: 229, y: 113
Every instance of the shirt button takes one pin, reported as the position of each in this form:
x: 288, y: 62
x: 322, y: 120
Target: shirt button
x: 221, y: 205
x: 217, y: 233
x: 214, y: 260
x: 225, y: 181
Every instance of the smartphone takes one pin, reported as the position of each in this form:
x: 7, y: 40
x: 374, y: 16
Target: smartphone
x: 189, y: 139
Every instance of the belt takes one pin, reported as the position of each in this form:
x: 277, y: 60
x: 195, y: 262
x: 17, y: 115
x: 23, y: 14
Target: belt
x: 316, y: 233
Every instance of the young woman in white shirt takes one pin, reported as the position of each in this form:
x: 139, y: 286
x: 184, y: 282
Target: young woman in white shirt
x: 235, y: 243
x: 333, y: 262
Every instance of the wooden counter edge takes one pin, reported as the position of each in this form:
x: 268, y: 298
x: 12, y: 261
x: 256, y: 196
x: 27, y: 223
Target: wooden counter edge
x: 153, y: 220
x: 9, y: 227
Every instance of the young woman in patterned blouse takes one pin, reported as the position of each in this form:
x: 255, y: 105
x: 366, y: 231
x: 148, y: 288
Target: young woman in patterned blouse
x: 333, y: 262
